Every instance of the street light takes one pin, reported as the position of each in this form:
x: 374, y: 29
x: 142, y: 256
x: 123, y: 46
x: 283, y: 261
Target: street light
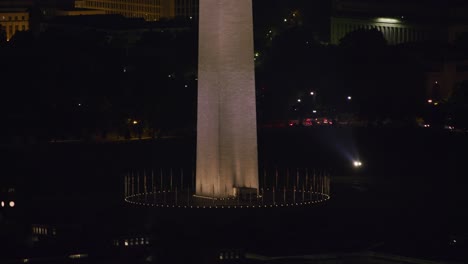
x: 350, y: 98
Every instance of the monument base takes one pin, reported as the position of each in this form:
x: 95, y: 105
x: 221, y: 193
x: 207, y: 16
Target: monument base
x: 244, y: 192
x: 143, y: 189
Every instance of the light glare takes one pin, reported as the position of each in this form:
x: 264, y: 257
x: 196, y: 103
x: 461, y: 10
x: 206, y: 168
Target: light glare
x: 387, y: 20
x: 357, y: 164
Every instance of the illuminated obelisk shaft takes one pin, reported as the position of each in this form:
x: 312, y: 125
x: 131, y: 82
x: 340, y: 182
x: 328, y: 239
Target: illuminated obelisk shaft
x: 227, y: 129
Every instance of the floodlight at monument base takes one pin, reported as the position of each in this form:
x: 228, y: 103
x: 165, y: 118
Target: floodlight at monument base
x: 169, y: 188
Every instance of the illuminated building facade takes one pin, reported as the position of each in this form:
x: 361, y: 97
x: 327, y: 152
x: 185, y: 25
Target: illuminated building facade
x: 13, y: 20
x: 150, y: 10
x: 395, y: 31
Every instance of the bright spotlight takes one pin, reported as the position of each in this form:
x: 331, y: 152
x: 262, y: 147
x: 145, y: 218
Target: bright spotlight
x: 12, y: 204
x: 3, y: 204
x: 357, y: 163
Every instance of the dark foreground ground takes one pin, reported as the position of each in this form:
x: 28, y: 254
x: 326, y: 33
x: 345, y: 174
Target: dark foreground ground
x: 409, y: 198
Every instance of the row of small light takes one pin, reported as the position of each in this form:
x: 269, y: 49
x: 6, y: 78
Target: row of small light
x: 325, y: 197
x: 11, y: 204
x: 349, y: 98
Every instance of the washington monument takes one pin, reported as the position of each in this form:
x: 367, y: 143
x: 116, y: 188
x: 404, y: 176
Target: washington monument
x: 227, y: 158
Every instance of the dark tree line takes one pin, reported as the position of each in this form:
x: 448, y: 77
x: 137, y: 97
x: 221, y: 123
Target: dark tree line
x: 386, y: 82
x: 62, y: 85
x: 80, y: 84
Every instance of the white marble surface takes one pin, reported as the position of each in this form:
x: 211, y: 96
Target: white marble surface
x: 227, y: 129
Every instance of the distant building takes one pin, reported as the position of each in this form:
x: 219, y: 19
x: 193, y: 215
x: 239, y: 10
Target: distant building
x: 394, y: 30
x: 79, y: 12
x: 443, y: 76
x: 406, y: 22
x: 13, y: 20
x: 400, y: 22
x: 16, y: 4
x: 186, y: 8
x: 115, y: 26
x: 150, y: 10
